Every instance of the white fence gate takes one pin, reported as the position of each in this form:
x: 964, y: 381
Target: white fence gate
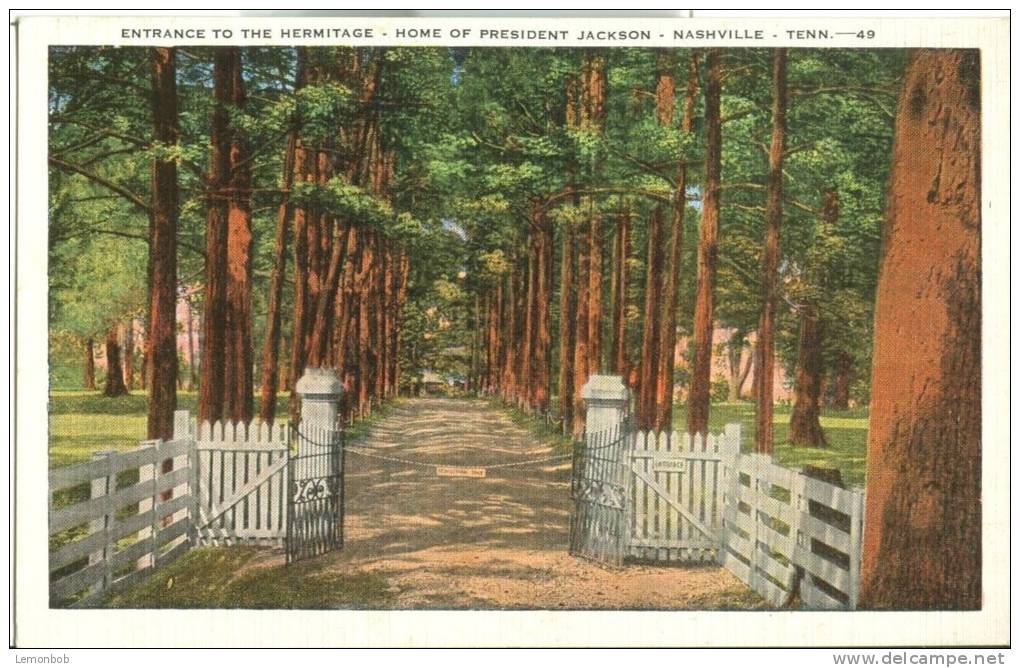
x: 699, y: 499
x: 242, y: 482
x: 675, y: 493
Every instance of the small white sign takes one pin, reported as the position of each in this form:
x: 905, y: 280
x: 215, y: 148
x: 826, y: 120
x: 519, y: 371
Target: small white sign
x: 669, y: 465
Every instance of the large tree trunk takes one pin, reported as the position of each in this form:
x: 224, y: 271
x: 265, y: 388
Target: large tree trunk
x: 128, y: 338
x: 541, y: 367
x: 114, y: 386
x: 580, y: 364
x: 766, y: 348
x: 162, y: 334
x: 671, y: 280
x: 271, y: 345
x: 302, y: 172
x: 618, y: 362
x: 841, y: 383
x: 213, y: 387
x: 704, y: 308
x: 240, y: 385
x: 922, y: 528
x: 805, y: 427
x: 644, y: 415
x: 89, y: 379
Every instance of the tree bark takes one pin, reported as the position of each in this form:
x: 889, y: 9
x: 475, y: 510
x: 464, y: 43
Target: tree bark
x: 764, y: 409
x: 162, y: 334
x: 805, y: 427
x: 671, y: 279
x: 299, y: 325
x: 700, y: 393
x: 114, y: 386
x: 922, y: 528
x: 89, y: 379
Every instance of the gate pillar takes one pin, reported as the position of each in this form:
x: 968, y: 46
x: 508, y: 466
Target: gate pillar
x: 321, y: 392
x: 607, y: 403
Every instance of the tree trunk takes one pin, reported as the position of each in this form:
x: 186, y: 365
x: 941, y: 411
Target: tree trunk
x: 114, y: 371
x: 580, y: 364
x: 805, y: 428
x: 162, y: 334
x: 299, y: 325
x: 701, y: 382
x: 843, y: 378
x: 766, y: 348
x: 922, y: 528
x: 213, y: 386
x: 189, y: 326
x: 618, y: 362
x: 240, y: 387
x: 541, y: 368
x: 271, y: 345
x: 671, y: 280
x: 644, y: 415
x: 128, y: 337
x: 89, y: 380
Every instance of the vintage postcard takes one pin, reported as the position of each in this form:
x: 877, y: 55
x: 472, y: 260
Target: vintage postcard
x: 489, y: 330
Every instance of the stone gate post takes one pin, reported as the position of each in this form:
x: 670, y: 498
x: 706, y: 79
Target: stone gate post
x: 321, y: 392
x: 607, y: 403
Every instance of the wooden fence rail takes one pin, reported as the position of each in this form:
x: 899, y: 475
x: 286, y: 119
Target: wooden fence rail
x: 114, y: 518
x: 697, y: 498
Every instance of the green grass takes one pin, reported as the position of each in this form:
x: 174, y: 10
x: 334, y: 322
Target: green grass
x: 218, y: 577
x: 846, y: 432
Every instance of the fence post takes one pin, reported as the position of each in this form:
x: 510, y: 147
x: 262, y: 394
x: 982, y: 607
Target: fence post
x: 726, y: 490
x: 147, y: 473
x: 104, y: 487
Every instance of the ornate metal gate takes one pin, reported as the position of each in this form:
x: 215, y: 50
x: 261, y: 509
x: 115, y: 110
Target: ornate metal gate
x: 599, y: 491
x: 315, y: 494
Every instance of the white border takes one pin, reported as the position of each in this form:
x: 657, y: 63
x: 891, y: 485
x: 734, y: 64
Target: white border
x: 37, y: 625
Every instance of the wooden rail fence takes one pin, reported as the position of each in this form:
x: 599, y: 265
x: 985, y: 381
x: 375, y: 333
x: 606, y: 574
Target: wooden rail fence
x: 116, y: 517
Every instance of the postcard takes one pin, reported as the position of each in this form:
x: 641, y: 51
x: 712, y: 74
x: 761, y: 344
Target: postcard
x: 498, y: 330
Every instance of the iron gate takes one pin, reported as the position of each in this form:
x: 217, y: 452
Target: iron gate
x: 315, y: 494
x: 599, y: 490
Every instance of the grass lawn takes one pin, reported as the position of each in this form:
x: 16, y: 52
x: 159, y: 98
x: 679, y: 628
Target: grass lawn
x: 846, y: 431
x: 216, y: 577
x: 83, y: 422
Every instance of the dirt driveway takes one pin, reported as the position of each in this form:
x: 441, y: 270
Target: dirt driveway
x: 493, y: 542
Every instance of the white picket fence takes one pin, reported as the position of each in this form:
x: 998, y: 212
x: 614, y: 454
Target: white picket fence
x: 675, y: 498
x: 221, y: 484
x: 697, y: 499
x: 242, y: 482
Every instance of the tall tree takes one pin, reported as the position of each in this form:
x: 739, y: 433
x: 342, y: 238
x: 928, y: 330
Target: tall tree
x: 766, y: 346
x: 162, y: 330
x: 700, y: 393
x: 671, y: 279
x: 922, y: 529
